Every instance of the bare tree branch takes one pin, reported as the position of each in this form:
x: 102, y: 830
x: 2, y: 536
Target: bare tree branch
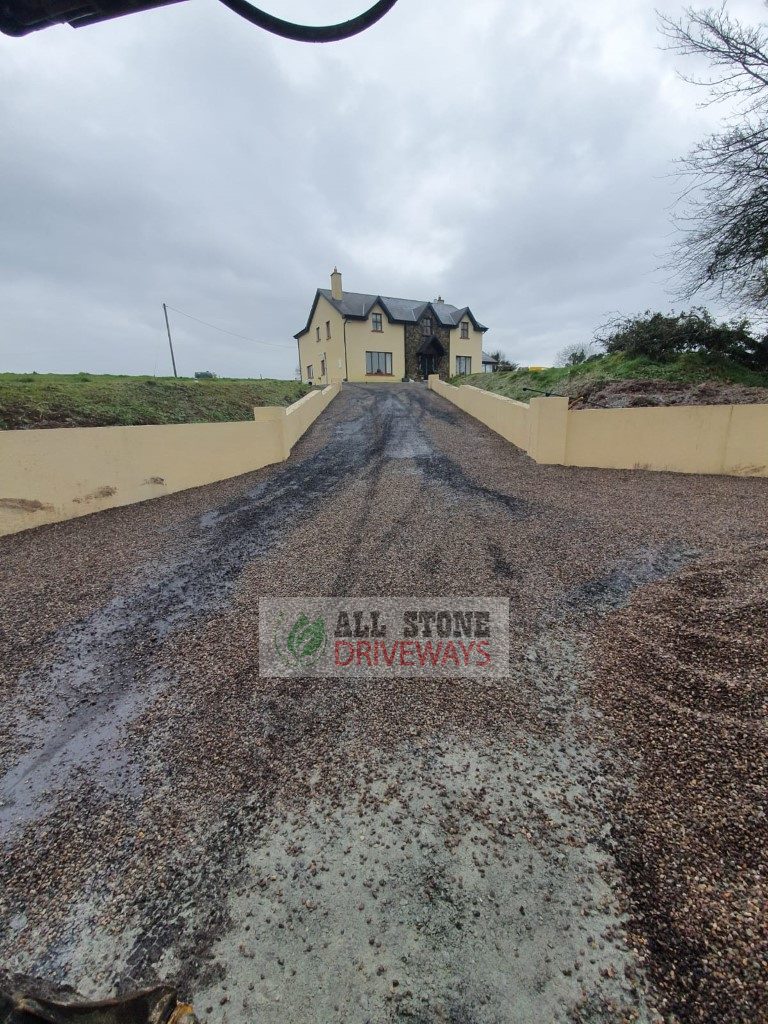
x: 722, y: 212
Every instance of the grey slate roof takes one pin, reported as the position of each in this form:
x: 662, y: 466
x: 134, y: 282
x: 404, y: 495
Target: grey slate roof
x: 357, y: 306
x: 487, y: 358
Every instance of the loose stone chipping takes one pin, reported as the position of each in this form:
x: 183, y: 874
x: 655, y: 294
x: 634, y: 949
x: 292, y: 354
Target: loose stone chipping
x: 258, y: 816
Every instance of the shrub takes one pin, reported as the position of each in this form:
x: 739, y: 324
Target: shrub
x: 663, y: 338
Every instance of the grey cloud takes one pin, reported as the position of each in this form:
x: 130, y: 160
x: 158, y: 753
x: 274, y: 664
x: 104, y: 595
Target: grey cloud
x: 514, y: 157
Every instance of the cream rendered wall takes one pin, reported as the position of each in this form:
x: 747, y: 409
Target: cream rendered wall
x: 731, y: 439
x: 361, y: 339
x: 50, y: 475
x: 745, y: 452
x: 471, y: 346
x: 728, y: 439
x: 312, y: 351
x: 507, y: 417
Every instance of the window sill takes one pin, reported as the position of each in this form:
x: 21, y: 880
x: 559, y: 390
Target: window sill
x: 379, y: 375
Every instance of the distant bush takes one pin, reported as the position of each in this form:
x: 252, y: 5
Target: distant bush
x: 503, y: 365
x: 664, y: 338
x: 573, y: 355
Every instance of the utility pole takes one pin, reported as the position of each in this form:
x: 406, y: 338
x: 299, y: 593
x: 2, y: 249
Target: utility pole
x: 170, y: 343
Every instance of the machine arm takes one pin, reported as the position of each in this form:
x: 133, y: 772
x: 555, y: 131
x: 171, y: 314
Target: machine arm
x: 19, y: 17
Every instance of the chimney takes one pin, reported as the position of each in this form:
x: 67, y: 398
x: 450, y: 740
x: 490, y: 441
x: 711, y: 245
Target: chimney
x: 336, y: 291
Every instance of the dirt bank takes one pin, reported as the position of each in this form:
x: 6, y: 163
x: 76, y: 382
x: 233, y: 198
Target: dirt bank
x: 624, y: 394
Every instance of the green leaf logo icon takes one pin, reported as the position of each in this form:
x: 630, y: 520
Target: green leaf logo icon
x: 306, y: 640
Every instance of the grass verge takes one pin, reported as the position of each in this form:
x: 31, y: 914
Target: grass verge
x: 573, y: 380
x: 94, y: 400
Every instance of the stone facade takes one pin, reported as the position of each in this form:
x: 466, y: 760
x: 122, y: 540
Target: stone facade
x: 414, y: 340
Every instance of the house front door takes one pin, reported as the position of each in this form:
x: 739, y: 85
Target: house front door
x: 428, y: 364
x: 429, y: 356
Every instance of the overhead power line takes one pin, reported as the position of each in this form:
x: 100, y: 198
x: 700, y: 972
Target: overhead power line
x: 233, y: 334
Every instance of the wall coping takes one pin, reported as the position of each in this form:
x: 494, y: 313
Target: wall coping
x: 304, y: 400
x: 484, y: 392
x: 493, y: 394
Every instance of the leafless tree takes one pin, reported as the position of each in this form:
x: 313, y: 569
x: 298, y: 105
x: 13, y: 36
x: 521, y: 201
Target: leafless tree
x: 723, y: 212
x: 578, y: 352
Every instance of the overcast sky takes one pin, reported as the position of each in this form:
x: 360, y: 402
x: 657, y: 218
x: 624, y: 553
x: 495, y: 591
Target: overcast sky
x: 510, y: 156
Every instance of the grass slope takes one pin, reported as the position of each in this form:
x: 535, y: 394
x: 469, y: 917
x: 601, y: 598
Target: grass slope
x: 572, y: 380
x: 89, y: 400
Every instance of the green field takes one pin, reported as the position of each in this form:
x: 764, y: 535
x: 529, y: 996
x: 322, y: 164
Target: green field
x: 96, y: 400
x: 572, y: 380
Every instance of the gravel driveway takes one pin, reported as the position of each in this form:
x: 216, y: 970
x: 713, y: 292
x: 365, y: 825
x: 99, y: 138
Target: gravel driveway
x: 317, y: 850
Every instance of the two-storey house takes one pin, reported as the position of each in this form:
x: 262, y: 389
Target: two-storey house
x: 359, y: 337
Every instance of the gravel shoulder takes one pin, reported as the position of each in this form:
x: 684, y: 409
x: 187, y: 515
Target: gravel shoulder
x: 300, y: 850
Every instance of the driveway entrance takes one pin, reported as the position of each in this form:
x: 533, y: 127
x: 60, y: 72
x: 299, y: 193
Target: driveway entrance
x: 317, y: 849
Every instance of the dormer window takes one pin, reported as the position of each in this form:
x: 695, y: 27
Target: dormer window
x: 426, y: 326
x: 465, y: 328
x: 376, y: 322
